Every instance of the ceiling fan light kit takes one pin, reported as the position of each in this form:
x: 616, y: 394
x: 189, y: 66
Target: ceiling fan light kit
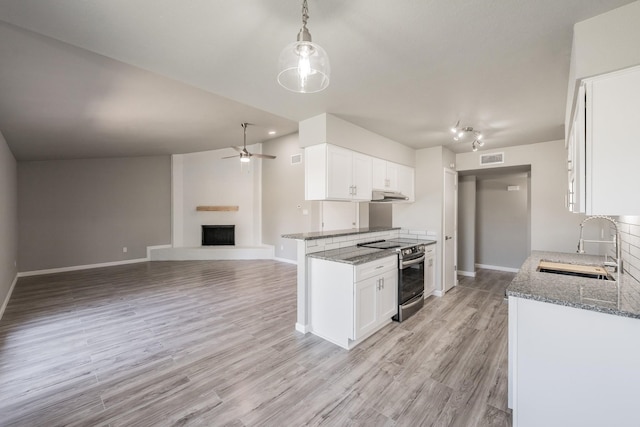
x: 245, y: 156
x: 461, y: 133
x: 303, y: 65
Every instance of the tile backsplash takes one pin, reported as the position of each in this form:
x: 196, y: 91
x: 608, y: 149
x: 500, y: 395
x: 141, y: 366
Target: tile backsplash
x: 629, y: 227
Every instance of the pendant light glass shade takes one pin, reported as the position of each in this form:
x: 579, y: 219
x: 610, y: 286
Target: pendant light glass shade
x: 303, y: 65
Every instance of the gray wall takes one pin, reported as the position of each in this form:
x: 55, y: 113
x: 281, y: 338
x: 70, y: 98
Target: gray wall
x: 466, y: 224
x: 283, y: 204
x: 80, y: 212
x: 8, y: 219
x: 553, y: 227
x: 502, y: 221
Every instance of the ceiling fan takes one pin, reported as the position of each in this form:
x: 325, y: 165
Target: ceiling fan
x: 245, y: 155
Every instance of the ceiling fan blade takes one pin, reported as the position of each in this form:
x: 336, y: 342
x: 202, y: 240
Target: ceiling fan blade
x: 238, y: 149
x: 264, y: 156
x: 230, y: 157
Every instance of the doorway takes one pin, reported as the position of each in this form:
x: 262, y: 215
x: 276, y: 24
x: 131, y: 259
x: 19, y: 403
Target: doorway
x: 494, y: 219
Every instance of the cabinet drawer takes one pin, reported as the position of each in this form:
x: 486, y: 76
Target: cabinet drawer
x: 370, y: 269
x: 430, y: 250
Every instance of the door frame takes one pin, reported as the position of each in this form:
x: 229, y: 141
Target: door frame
x: 455, y: 228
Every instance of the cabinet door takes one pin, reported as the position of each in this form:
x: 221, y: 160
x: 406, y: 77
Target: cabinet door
x: 339, y: 173
x: 613, y: 148
x: 406, y: 182
x: 361, y: 177
x: 388, y: 296
x: 392, y: 176
x: 379, y: 174
x: 365, y: 306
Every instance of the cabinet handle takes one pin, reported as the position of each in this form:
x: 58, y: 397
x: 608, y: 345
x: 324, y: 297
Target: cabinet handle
x: 380, y: 266
x: 382, y: 280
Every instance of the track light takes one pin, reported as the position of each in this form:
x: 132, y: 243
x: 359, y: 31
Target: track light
x: 462, y: 133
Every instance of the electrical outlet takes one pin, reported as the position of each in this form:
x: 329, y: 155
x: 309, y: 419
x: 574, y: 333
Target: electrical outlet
x: 124, y: 250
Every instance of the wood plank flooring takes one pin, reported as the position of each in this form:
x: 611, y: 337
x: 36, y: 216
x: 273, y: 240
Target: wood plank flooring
x: 213, y: 343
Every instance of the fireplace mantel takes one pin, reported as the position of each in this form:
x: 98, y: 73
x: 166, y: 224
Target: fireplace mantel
x: 217, y: 208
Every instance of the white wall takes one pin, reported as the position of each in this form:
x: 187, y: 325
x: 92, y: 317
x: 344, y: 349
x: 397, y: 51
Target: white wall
x: 604, y: 43
x: 553, y: 227
x: 205, y: 179
x: 8, y: 221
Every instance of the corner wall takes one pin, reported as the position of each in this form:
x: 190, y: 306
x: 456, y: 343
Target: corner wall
x: 630, y: 239
x: 284, y: 209
x: 8, y: 221
x: 83, y: 212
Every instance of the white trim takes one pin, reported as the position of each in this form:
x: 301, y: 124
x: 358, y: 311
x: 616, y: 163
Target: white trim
x: 288, y: 261
x: 498, y: 268
x: 302, y: 328
x: 437, y: 293
x: 90, y: 266
x: 6, y: 300
x: 150, y: 248
x: 467, y: 273
x: 81, y: 267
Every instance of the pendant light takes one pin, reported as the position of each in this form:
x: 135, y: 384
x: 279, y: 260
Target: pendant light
x: 304, y: 65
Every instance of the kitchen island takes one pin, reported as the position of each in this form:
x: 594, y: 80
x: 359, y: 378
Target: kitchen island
x: 339, y: 245
x: 574, y: 346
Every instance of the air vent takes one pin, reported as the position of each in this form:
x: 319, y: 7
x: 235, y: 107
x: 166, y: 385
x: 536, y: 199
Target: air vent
x: 296, y: 159
x: 491, y: 159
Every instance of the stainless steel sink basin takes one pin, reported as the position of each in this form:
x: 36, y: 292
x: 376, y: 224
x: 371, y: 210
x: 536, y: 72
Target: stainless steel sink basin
x: 579, y: 270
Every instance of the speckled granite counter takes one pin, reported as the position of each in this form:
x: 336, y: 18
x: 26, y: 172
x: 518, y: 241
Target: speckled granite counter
x: 353, y: 255
x: 621, y: 298
x: 336, y: 233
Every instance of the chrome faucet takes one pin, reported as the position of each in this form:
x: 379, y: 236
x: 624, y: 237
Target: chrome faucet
x: 616, y: 241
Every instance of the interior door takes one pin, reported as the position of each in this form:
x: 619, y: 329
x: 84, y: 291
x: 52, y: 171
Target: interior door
x: 449, y: 229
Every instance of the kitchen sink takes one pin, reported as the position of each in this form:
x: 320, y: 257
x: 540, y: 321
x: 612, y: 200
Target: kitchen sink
x: 579, y: 270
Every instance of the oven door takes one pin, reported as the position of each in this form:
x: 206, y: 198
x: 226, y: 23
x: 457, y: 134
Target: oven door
x: 410, y: 278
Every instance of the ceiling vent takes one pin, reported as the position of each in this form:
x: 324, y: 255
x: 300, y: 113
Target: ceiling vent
x: 491, y: 159
x: 296, y: 159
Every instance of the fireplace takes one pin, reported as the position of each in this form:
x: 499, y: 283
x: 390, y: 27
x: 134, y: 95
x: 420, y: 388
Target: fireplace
x: 218, y: 235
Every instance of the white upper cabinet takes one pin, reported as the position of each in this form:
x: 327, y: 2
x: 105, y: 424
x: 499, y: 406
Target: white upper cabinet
x: 604, y: 151
x: 406, y: 179
x: 335, y: 173
x: 385, y: 175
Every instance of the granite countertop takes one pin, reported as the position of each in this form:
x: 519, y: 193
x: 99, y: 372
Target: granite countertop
x: 335, y: 233
x: 621, y: 298
x: 353, y: 255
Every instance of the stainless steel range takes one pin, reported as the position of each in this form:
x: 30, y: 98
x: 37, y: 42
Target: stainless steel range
x: 411, y: 256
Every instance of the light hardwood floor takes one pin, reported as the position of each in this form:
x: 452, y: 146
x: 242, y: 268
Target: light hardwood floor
x: 213, y: 343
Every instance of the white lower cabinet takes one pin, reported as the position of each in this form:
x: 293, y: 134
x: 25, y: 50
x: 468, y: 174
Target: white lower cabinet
x: 349, y: 303
x: 572, y: 367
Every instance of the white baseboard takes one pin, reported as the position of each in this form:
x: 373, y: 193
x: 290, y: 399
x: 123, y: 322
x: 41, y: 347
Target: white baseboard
x: 90, y: 266
x: 6, y: 300
x: 302, y: 328
x: 212, y: 253
x: 288, y: 261
x: 497, y: 267
x: 467, y: 273
x: 437, y: 293
x: 80, y: 267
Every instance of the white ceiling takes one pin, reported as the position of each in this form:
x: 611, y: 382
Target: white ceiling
x: 101, y: 78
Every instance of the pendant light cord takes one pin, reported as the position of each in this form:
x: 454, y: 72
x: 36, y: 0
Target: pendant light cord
x: 305, y: 13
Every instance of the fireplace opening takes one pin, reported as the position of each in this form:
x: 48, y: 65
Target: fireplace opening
x: 218, y: 235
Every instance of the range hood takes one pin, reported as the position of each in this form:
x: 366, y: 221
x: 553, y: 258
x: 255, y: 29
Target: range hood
x: 388, y: 196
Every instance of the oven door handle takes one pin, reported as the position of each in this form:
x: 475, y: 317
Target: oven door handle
x: 411, y: 262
